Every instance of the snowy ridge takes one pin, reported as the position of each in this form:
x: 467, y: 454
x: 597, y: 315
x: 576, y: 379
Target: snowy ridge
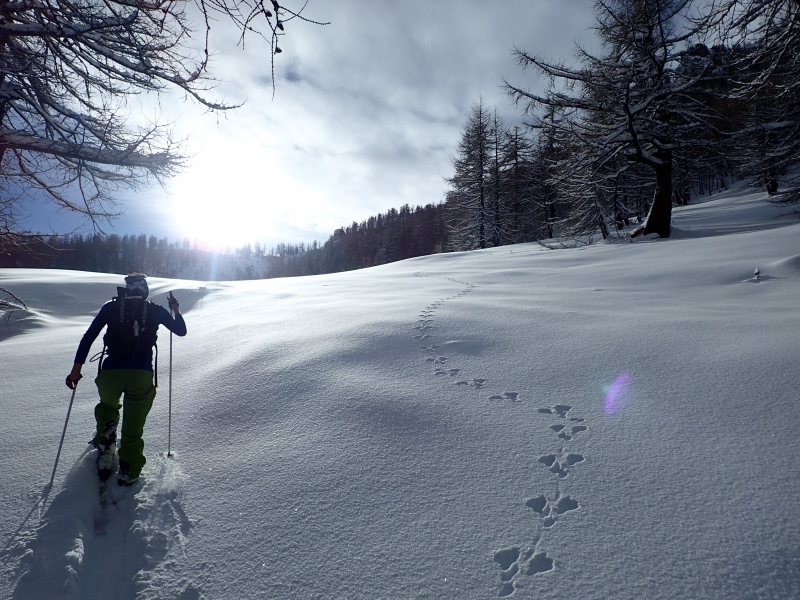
x: 611, y: 421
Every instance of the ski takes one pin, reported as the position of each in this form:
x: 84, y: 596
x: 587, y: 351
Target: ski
x: 103, y: 516
x: 107, y: 464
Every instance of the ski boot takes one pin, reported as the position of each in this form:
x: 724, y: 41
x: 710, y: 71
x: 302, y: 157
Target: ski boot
x: 123, y: 476
x: 107, y: 452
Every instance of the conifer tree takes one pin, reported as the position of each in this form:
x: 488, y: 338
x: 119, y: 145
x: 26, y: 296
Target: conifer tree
x: 469, y: 198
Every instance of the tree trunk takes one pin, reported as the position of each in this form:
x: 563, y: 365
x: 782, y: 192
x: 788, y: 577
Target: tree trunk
x: 660, y: 215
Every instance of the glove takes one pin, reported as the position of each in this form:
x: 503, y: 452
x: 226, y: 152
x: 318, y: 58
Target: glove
x: 72, y: 381
x: 172, y: 302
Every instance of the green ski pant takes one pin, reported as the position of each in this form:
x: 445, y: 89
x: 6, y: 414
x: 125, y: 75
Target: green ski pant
x: 139, y: 392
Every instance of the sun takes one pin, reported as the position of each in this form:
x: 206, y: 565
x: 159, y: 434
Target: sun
x: 235, y: 194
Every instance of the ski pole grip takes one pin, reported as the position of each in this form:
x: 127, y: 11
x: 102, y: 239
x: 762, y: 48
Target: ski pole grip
x: 73, y: 381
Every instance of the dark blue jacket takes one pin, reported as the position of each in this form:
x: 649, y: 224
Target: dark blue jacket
x: 143, y: 361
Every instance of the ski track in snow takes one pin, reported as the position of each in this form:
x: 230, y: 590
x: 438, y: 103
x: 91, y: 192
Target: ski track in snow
x: 118, y: 551
x: 515, y: 562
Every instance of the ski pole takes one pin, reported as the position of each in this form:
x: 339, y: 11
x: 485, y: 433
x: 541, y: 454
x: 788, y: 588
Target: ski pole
x: 63, y: 433
x: 169, y: 427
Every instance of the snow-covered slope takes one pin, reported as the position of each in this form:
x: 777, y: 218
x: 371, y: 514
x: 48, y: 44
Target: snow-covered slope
x: 614, y: 421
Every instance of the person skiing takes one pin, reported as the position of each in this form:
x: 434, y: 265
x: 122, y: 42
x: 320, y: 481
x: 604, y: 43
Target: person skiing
x: 132, y: 324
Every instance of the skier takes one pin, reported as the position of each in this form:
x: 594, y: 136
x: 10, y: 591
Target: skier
x: 132, y: 323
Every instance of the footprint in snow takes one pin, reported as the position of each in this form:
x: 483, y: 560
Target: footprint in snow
x: 551, y: 510
x: 575, y: 430
x: 515, y: 562
x: 559, y: 409
x: 562, y: 410
x: 558, y: 467
x: 537, y: 504
x: 439, y: 360
x: 506, y: 396
x: 574, y: 459
x: 476, y: 383
x: 540, y: 563
x: 565, y: 504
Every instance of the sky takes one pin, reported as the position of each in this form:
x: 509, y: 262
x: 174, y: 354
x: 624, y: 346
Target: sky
x: 366, y: 116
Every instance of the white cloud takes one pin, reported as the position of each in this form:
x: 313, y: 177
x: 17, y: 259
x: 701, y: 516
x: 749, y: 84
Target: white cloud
x: 366, y: 114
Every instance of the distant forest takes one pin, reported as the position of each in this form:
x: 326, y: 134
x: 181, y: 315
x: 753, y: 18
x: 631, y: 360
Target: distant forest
x: 385, y: 238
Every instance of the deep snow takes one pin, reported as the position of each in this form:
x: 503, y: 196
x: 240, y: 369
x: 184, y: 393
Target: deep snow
x: 612, y: 421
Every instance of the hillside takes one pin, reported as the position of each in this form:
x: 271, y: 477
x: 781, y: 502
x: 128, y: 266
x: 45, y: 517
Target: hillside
x: 611, y: 421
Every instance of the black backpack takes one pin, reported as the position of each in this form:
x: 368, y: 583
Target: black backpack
x: 134, y: 329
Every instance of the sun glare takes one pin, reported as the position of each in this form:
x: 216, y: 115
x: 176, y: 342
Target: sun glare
x: 616, y: 394
x: 236, y: 195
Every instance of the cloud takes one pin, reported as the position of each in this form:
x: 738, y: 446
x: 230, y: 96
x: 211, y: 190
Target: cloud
x: 366, y: 115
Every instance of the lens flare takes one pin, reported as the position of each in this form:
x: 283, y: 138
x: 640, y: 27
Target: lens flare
x: 616, y: 394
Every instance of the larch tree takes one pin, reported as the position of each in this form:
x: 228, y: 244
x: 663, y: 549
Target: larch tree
x: 520, y: 187
x: 764, y: 40
x: 469, y: 198
x: 630, y: 105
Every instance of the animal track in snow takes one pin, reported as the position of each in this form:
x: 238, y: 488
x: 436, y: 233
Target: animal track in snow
x: 575, y: 430
x: 540, y: 563
x: 537, y: 504
x: 515, y: 562
x: 574, y: 459
x: 450, y: 372
x: 424, y: 327
x: 476, y: 383
x: 550, y: 511
x: 439, y: 360
x: 565, y: 504
x: 506, y: 396
x: 559, y: 409
x: 548, y: 460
